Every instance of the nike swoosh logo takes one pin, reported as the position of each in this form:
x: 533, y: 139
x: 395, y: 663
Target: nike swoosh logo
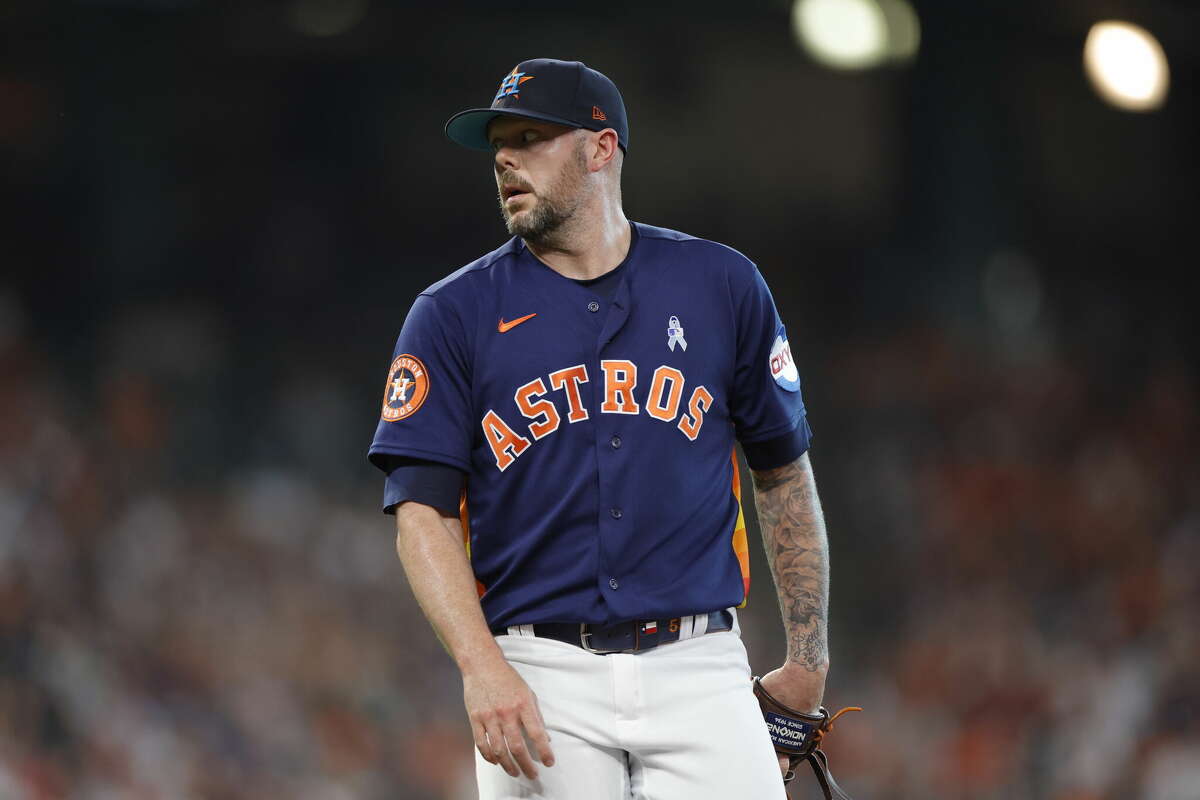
x: 505, y: 327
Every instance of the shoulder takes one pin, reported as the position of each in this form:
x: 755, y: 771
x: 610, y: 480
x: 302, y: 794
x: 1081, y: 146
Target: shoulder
x: 468, y: 278
x: 460, y: 297
x: 667, y: 243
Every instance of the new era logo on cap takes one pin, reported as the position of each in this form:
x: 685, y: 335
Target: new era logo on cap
x: 563, y: 92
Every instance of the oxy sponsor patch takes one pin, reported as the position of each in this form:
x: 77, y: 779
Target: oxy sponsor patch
x: 783, y: 369
x: 406, y: 388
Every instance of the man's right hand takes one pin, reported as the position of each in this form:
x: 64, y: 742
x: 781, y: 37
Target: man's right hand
x: 504, y: 714
x: 502, y: 709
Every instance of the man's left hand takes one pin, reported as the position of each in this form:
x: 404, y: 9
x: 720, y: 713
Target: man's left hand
x: 797, y: 687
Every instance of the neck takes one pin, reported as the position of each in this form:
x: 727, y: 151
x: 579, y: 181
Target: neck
x: 594, y: 241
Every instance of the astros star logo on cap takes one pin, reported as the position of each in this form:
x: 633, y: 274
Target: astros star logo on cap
x: 511, y: 84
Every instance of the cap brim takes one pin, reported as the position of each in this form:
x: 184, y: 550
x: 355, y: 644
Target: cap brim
x: 469, y: 128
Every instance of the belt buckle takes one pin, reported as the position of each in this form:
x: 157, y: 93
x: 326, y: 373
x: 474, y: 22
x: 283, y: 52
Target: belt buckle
x: 585, y: 635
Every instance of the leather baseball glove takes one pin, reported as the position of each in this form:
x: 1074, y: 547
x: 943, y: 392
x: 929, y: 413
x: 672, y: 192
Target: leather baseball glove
x: 798, y: 736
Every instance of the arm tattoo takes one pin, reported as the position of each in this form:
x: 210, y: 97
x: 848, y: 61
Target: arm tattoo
x: 793, y: 531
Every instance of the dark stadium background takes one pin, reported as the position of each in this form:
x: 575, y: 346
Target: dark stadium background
x: 213, y: 223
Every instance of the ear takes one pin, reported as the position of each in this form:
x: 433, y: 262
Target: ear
x: 602, y: 150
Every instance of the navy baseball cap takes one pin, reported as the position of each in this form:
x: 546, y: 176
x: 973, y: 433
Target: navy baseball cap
x: 566, y: 92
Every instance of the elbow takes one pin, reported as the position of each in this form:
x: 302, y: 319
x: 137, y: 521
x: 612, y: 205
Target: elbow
x: 799, y: 470
x: 417, y: 523
x: 411, y: 517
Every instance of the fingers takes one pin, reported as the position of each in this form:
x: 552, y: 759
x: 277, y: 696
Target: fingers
x: 500, y: 740
x: 481, y: 740
x: 501, y: 755
x: 489, y: 741
x: 495, y: 751
x: 506, y: 723
x: 518, y: 751
x: 485, y: 743
x: 535, y: 730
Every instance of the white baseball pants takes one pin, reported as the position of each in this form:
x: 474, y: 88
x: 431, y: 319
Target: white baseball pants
x: 678, y: 722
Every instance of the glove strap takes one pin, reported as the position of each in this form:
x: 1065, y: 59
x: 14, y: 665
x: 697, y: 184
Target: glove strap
x: 820, y: 767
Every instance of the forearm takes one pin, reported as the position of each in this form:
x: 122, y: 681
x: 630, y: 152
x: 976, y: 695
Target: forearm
x: 431, y: 549
x: 793, y: 531
x: 500, y: 706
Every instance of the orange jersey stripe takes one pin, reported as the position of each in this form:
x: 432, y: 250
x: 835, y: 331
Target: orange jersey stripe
x: 741, y: 547
x: 466, y: 527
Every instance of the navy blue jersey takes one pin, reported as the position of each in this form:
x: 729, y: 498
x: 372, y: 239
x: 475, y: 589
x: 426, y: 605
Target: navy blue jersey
x: 597, y: 435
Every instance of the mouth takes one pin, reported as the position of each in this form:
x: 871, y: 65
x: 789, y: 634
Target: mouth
x: 510, y: 191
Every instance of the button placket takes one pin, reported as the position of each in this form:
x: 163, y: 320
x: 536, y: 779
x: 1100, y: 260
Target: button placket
x: 615, y: 315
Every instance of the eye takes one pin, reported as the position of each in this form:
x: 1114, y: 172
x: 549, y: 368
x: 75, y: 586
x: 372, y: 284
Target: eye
x: 529, y: 136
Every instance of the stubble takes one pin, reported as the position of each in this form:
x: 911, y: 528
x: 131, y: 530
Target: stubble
x: 554, y: 206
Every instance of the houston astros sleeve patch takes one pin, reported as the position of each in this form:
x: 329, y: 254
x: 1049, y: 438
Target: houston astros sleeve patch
x: 406, y: 388
x: 431, y: 355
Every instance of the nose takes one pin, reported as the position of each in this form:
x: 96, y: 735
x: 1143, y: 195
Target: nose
x: 506, y: 158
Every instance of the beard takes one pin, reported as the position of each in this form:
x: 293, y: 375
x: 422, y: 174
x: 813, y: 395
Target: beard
x: 552, y: 208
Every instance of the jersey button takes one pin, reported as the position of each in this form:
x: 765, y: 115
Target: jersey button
x: 593, y: 306
x: 616, y: 513
x: 612, y: 584
x: 615, y: 442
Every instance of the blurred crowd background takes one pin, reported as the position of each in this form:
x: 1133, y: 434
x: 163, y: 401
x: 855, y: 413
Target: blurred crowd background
x: 215, y: 216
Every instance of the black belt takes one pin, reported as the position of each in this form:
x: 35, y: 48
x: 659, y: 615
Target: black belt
x: 632, y: 636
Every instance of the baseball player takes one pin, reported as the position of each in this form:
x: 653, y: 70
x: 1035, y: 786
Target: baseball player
x: 558, y: 430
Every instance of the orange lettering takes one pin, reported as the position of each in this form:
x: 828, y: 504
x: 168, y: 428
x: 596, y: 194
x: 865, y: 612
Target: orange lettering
x: 569, y: 379
x: 691, y: 421
x: 542, y: 408
x: 502, y: 439
x: 620, y: 377
x: 654, y: 405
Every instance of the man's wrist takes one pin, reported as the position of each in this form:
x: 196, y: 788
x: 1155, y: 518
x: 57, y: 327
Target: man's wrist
x: 481, y: 656
x: 795, y: 668
x: 796, y: 687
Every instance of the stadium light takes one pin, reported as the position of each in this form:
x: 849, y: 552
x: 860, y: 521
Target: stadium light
x: 1126, y: 65
x: 841, y: 34
x: 856, y: 34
